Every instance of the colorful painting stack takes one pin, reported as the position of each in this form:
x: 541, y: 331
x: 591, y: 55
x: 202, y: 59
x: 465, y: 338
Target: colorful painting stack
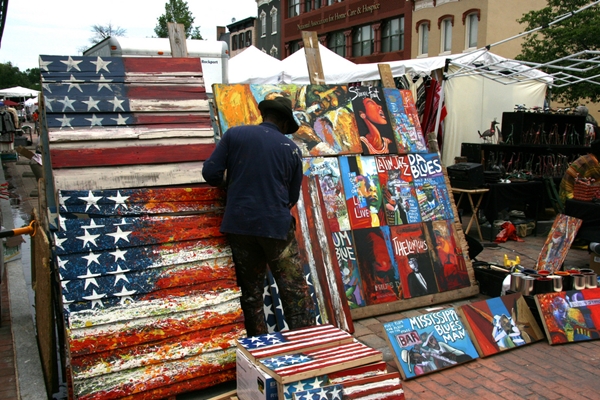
x: 376, y: 217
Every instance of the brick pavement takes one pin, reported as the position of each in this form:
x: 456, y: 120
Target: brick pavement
x: 536, y: 371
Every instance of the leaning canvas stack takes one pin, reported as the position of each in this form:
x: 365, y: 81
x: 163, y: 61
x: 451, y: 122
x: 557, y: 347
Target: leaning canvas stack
x: 315, y: 362
x: 377, y: 227
x: 150, y: 303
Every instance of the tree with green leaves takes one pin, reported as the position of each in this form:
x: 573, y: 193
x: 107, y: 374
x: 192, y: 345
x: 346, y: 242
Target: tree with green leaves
x: 11, y: 76
x: 572, y: 35
x: 177, y: 11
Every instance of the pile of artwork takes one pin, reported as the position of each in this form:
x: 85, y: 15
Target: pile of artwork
x: 441, y: 339
x: 320, y: 362
x: 149, y: 295
x: 376, y: 217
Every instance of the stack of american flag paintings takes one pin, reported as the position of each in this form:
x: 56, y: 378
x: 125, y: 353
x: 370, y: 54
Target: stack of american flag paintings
x: 149, y: 298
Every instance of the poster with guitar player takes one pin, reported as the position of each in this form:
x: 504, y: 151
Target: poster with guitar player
x: 500, y: 323
x: 429, y: 342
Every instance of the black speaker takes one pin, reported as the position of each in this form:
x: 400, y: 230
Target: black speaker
x: 472, y: 151
x: 466, y: 175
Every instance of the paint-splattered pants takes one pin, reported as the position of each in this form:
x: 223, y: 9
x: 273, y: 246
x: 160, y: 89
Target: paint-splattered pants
x: 252, y: 255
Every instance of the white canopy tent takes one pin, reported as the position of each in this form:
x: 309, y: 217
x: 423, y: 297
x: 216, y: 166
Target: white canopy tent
x: 254, y: 66
x: 18, y: 91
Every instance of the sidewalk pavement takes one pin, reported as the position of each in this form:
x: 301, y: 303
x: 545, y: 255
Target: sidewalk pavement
x: 536, y: 371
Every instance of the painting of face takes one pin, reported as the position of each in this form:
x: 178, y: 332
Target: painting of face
x: 374, y: 112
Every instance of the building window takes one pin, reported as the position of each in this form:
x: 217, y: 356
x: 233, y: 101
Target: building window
x: 337, y: 43
x: 274, y: 51
x: 293, y: 8
x: 471, y: 21
x: 274, y: 23
x: 308, y: 5
x: 294, y: 46
x: 263, y: 24
x: 241, y: 40
x: 392, y: 35
x: 423, y: 28
x: 234, y: 42
x: 446, y: 31
x: 363, y: 41
x: 248, y: 38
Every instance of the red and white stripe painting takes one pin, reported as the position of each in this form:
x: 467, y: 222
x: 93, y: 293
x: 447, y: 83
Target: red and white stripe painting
x: 286, y: 342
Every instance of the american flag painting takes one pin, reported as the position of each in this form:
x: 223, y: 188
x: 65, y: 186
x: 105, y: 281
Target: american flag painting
x: 286, y: 342
x: 150, y: 299
x: 386, y: 386
x: 293, y: 367
x: 115, y: 91
x: 97, y: 110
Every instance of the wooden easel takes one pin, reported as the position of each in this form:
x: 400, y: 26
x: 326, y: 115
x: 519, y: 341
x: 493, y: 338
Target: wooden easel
x: 316, y: 76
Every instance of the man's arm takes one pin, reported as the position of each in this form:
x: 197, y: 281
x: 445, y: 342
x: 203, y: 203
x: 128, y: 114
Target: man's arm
x: 214, y: 169
x: 294, y: 192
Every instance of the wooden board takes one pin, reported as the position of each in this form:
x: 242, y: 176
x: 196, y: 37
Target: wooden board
x: 327, y: 127
x: 44, y: 310
x: 129, y: 176
x: 500, y: 324
x: 571, y: 316
x: 162, y: 153
x: 312, y: 363
x: 429, y: 342
x: 291, y: 341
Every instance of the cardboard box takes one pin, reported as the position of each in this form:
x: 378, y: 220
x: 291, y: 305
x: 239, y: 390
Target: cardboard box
x: 252, y: 382
x: 595, y: 263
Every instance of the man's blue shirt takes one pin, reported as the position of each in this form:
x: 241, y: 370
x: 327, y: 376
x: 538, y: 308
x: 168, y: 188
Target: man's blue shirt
x: 264, y: 174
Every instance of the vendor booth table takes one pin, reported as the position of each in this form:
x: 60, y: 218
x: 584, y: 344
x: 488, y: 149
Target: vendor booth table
x: 527, y: 196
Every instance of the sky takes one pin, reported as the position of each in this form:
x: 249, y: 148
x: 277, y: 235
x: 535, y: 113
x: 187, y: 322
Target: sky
x: 62, y: 27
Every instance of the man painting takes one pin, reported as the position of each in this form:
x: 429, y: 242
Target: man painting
x: 262, y: 171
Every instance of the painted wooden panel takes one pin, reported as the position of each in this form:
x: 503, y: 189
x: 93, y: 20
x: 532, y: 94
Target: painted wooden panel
x: 571, y: 316
x: 194, y: 254
x: 324, y: 113
x: 557, y: 244
x: 161, y: 154
x: 288, y: 390
x: 158, y: 303
x: 288, y: 342
x: 429, y: 342
x: 311, y: 363
x: 142, y: 379
x: 119, y: 67
x: 171, y: 348
x: 109, y: 233
x: 500, y: 324
x: 405, y: 132
x: 110, y: 135
x: 385, y: 387
x: 99, y: 178
x: 372, y: 119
